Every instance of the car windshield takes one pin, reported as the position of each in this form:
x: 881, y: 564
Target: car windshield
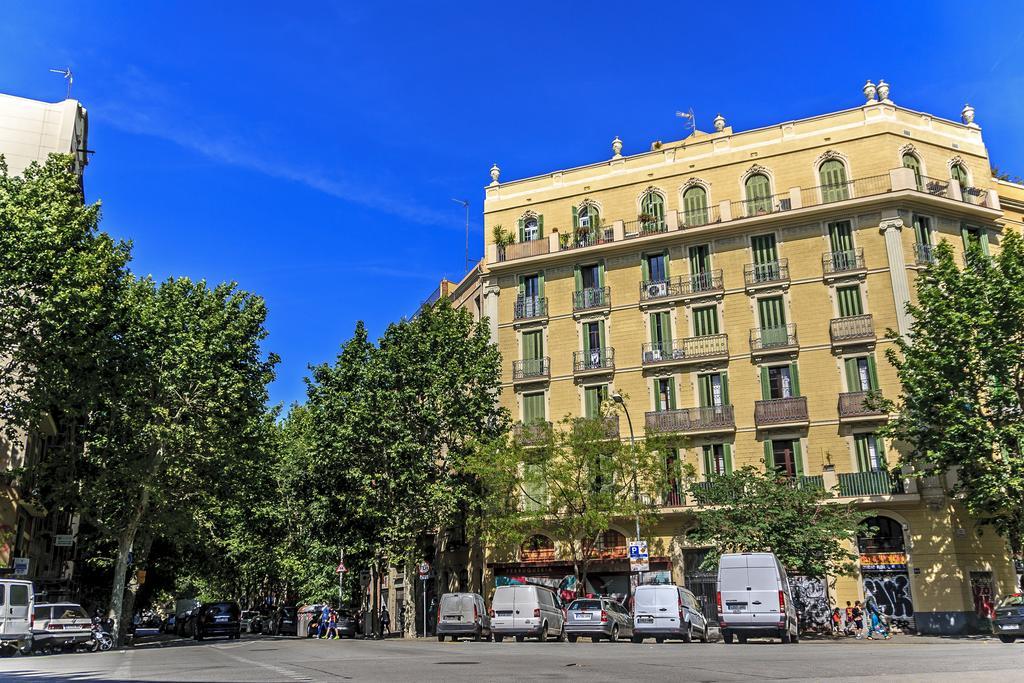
x: 585, y: 604
x: 69, y: 612
x: 1012, y: 601
x: 220, y: 608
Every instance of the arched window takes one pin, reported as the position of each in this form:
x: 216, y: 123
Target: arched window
x: 530, y: 229
x: 586, y: 216
x: 759, y: 194
x: 834, y: 186
x: 958, y: 173
x: 695, y: 206
x: 912, y: 162
x: 652, y: 212
x: 537, y: 547
x: 887, y: 537
x: 609, y: 544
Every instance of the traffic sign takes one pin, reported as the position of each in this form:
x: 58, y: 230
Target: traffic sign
x: 424, y: 570
x: 638, y: 556
x: 341, y: 569
x: 63, y: 541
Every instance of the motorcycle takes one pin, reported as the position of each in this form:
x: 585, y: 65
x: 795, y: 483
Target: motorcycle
x: 101, y: 641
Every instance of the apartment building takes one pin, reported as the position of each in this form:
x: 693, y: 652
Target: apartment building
x: 736, y: 287
x: 36, y: 542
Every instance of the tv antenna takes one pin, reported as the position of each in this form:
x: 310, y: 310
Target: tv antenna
x: 66, y: 73
x: 465, y: 205
x: 691, y: 119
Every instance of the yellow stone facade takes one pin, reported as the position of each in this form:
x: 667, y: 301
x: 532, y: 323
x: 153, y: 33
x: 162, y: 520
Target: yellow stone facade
x: 899, y: 169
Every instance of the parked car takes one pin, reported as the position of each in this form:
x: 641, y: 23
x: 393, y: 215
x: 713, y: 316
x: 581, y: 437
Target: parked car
x: 1009, y: 621
x: 218, y: 619
x: 347, y: 624
x: 754, y: 599
x: 185, y: 625
x: 285, y: 622
x: 18, y: 597
x: 598, y: 618
x: 522, y: 611
x: 667, y: 611
x: 251, y: 621
x: 59, y: 626
x: 462, y: 615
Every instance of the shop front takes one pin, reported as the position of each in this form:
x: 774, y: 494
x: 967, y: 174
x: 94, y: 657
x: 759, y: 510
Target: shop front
x: 884, y: 573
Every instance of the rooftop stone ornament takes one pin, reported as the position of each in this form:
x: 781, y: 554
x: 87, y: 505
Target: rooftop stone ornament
x: 495, y: 174
x: 616, y: 148
x: 869, y: 92
x: 883, y: 91
x: 967, y: 116
x: 719, y: 123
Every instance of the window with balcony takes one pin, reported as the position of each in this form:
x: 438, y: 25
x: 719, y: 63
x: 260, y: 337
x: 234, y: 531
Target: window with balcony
x: 705, y: 321
x: 593, y: 398
x: 713, y: 389
x: 759, y: 194
x: 531, y: 302
x: 661, y: 335
x: 717, y: 459
x: 593, y: 344
x: 772, y: 314
x: 973, y: 236
x: 780, y: 381
x: 870, y: 453
x: 586, y: 216
x: 849, y: 301
x: 913, y: 163
x: 695, y: 206
x: 590, y: 289
x: 700, y: 268
x: 664, y: 394
x: 652, y: 211
x: 958, y: 172
x: 655, y: 268
x: 886, y: 538
x: 531, y: 228
x: 783, y: 457
x: 537, y: 548
x: 533, y: 354
x: 533, y: 408
x: 673, y: 478
x: 843, y: 255
x: 861, y: 374
x: 766, y: 258
x: 923, y: 249
x: 834, y: 186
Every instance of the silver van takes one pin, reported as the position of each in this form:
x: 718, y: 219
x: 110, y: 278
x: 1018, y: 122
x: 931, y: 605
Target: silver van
x: 667, y: 611
x: 462, y: 614
x: 17, y: 602
x: 522, y: 611
x: 754, y: 599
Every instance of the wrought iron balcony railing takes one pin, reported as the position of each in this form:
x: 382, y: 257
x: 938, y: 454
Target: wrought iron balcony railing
x: 690, y: 348
x: 780, y: 411
x: 531, y: 368
x: 531, y: 433
x: 924, y: 254
x: 766, y: 273
x: 681, y: 285
x: 682, y: 420
x: 842, y: 261
x: 594, y: 359
x: 767, y: 338
x: 854, y: 404
x: 640, y: 228
x: 609, y: 424
x: 852, y: 328
x: 592, y: 297
x: 529, y: 307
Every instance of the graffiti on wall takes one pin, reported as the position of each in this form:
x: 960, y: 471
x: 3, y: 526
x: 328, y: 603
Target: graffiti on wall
x: 891, y: 592
x: 810, y: 597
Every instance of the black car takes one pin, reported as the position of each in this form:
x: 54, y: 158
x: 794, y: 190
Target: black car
x: 1009, y: 621
x: 346, y: 624
x: 286, y: 622
x: 218, y: 619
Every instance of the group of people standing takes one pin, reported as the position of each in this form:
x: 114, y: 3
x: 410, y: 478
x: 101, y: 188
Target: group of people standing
x: 325, y: 623
x: 852, y: 621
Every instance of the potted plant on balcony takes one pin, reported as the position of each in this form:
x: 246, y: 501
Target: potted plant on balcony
x: 563, y: 240
x: 502, y: 238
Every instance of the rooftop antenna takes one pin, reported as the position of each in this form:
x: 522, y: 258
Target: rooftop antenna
x: 66, y: 73
x: 465, y: 205
x: 688, y: 115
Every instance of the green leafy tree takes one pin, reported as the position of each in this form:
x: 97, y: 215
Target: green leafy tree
x: 962, y: 373
x: 570, y: 483
x: 753, y: 511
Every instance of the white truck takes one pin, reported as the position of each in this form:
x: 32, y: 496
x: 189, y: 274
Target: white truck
x: 17, y: 606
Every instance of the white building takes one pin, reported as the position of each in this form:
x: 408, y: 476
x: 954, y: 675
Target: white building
x: 31, y: 130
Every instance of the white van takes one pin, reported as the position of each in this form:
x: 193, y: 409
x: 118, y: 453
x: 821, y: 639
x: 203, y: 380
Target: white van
x: 17, y: 604
x: 754, y: 599
x: 522, y: 611
x: 667, y: 611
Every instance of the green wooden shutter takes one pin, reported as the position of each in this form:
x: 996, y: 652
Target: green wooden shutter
x: 959, y: 174
x: 725, y: 389
x: 657, y: 333
x: 522, y: 230
x: 522, y: 286
x: 771, y: 311
x: 872, y: 374
x: 794, y: 379
x: 578, y: 275
x: 600, y: 274
x: 645, y: 268
x: 586, y: 339
x: 705, y: 321
x: 600, y: 334
x: 575, y: 217
x: 540, y: 284
x: 983, y: 237
x: 700, y: 259
x: 798, y: 461
x: 533, y: 345
x: 709, y: 461
x: 766, y: 389
x: 883, y: 464
x: 593, y: 401
x: 727, y: 457
x: 540, y: 227
x: 704, y: 390
x: 849, y: 301
x: 665, y: 264
x: 860, y: 444
x: 910, y: 161
x: 533, y: 408
x: 695, y: 203
x: 758, y: 194
x: 769, y: 456
x: 833, y: 180
x: 852, y: 375
x: 840, y: 236
x: 657, y: 396
x: 764, y: 249
x: 671, y: 393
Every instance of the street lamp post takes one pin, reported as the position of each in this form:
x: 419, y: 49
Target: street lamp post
x: 617, y: 397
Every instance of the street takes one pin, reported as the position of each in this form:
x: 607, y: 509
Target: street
x: 261, y: 658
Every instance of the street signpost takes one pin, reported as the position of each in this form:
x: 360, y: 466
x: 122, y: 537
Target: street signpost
x: 21, y: 566
x: 424, y: 571
x: 63, y: 540
x: 340, y: 571
x: 639, y: 559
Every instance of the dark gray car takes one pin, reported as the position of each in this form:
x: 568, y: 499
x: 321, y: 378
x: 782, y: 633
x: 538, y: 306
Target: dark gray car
x: 597, y: 618
x: 1009, y: 621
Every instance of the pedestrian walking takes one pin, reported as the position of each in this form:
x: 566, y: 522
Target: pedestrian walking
x: 385, y: 620
x: 858, y: 620
x: 848, y: 625
x: 332, y: 625
x: 875, y: 622
x: 324, y: 619
x: 837, y: 622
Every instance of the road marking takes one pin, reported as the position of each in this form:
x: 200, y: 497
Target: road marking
x: 279, y: 670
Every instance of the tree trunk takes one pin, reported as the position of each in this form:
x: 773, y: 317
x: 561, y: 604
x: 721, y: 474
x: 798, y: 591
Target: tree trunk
x: 144, y: 542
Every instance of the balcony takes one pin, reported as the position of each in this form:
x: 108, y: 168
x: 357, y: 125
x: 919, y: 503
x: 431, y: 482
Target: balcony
x: 853, y: 408
x: 838, y: 263
x: 681, y: 287
x: 781, y: 412
x: 593, y: 362
x: 770, y: 274
x: 924, y: 254
x: 838, y: 192
x: 531, y: 308
x: 592, y: 299
x: 773, y: 339
x: 702, y: 420
x: 586, y: 237
x: 638, y: 228
x: 933, y: 186
x: 532, y: 433
x: 520, y: 250
x: 861, y: 484
x: 531, y: 370
x: 609, y: 424
x: 854, y: 329
x: 762, y: 206
x: 808, y: 481
x: 695, y: 218
x: 688, y: 350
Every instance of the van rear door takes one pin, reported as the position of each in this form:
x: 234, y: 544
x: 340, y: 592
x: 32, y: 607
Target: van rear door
x: 763, y: 579
x: 19, y: 606
x: 732, y: 584
x: 657, y: 607
x: 526, y: 602
x: 503, y: 605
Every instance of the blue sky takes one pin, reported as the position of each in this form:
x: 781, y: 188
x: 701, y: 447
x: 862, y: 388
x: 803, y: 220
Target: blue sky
x: 310, y: 151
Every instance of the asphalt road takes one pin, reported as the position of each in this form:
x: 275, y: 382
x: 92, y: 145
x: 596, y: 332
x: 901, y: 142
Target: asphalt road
x: 290, y: 659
